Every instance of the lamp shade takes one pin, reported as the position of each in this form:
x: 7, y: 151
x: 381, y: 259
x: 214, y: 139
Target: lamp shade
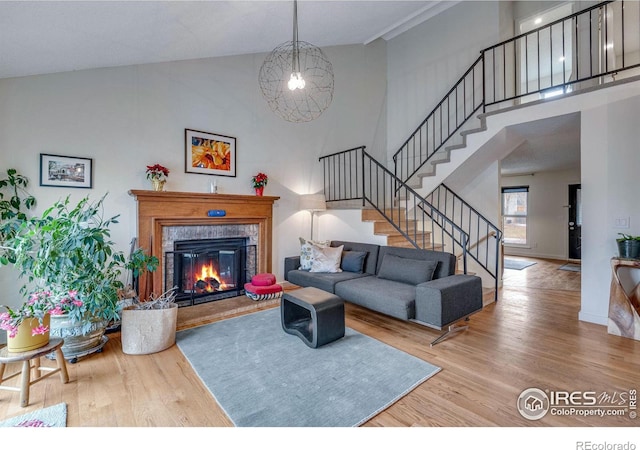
x: 313, y: 202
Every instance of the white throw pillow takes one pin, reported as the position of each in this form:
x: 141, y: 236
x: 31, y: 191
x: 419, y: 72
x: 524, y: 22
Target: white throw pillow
x: 306, y: 254
x: 326, y: 259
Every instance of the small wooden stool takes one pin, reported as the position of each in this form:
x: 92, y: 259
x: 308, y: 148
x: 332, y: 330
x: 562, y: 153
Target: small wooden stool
x: 6, y: 357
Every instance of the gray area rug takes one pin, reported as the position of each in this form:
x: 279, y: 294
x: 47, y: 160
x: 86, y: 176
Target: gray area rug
x: 263, y: 377
x: 53, y: 416
x: 517, y: 264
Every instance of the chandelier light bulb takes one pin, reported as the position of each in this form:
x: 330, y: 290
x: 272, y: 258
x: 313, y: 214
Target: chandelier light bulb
x: 296, y: 81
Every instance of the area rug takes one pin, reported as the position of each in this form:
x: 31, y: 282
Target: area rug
x: 517, y: 264
x: 263, y: 377
x: 53, y: 416
x: 571, y: 267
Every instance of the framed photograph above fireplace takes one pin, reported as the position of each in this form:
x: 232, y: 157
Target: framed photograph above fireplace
x: 210, y: 154
x: 66, y: 171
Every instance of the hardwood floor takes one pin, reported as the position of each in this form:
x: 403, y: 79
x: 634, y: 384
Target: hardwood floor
x: 530, y: 338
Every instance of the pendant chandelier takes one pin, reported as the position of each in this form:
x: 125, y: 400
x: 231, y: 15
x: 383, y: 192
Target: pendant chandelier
x: 296, y: 79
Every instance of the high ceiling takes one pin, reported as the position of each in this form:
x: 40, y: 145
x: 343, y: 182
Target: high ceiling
x: 42, y: 37
x: 39, y: 37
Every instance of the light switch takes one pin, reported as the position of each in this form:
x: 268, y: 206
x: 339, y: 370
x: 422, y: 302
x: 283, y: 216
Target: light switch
x: 622, y: 222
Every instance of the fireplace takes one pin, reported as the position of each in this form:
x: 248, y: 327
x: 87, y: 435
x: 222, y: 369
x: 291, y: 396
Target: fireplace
x: 160, y: 213
x: 206, y: 270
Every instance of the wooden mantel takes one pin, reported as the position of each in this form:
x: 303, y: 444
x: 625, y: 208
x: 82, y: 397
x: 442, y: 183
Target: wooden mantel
x: 157, y: 209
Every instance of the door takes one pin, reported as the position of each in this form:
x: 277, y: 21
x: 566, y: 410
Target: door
x: 575, y: 221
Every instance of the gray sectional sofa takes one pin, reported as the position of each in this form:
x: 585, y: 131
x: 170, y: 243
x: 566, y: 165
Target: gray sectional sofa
x: 405, y: 283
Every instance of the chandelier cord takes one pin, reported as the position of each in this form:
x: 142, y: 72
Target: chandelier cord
x: 295, y: 63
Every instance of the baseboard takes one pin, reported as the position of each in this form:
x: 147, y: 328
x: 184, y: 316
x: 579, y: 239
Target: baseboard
x: 592, y: 318
x: 515, y: 252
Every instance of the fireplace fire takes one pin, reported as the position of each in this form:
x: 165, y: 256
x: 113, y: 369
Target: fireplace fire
x: 206, y: 270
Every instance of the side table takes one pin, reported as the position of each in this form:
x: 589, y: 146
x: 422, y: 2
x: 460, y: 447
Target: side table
x: 6, y: 357
x: 624, y: 307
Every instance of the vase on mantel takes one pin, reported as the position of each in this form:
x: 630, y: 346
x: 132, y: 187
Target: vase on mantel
x: 158, y: 185
x: 259, y: 191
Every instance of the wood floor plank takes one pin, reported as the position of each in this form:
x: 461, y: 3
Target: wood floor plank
x: 530, y: 338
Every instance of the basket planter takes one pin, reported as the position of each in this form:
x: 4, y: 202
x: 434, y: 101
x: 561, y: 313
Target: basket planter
x: 23, y: 341
x: 145, y: 331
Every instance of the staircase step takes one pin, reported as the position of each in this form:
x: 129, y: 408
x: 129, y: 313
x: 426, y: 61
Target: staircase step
x: 400, y: 239
x: 380, y: 227
x: 372, y: 215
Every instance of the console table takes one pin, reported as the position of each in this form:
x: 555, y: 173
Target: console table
x: 624, y: 307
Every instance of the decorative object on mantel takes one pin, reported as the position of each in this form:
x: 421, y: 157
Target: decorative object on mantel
x: 624, y: 300
x: 259, y: 181
x: 158, y: 175
x: 305, y: 71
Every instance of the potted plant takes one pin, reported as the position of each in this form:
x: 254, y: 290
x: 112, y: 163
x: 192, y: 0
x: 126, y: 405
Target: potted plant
x: 150, y: 326
x: 27, y: 327
x: 158, y: 175
x: 68, y: 249
x: 628, y: 246
x: 14, y: 201
x: 258, y: 182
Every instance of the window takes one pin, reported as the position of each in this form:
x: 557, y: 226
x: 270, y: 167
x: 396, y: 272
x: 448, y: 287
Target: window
x: 514, y: 214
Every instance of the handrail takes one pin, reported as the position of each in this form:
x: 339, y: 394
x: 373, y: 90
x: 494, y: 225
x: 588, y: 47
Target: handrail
x: 414, y: 218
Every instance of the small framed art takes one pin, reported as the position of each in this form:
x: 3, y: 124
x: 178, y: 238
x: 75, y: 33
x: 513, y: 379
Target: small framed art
x: 66, y: 171
x: 210, y: 154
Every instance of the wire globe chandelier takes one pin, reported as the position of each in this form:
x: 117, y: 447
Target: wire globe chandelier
x: 296, y: 79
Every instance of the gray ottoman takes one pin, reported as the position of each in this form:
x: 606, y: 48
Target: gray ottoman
x: 315, y: 316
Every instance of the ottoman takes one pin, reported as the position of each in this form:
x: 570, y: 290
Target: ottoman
x: 315, y: 316
x: 263, y: 286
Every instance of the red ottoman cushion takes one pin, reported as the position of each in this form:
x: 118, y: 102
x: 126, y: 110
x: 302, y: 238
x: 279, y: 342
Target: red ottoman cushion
x: 263, y: 279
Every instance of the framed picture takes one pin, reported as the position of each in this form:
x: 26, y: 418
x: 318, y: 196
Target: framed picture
x: 66, y: 171
x: 209, y: 154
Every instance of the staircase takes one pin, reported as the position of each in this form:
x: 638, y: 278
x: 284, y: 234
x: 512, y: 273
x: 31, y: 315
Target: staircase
x: 412, y: 211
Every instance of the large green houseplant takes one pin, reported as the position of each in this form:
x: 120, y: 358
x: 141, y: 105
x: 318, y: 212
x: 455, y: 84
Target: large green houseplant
x: 68, y: 249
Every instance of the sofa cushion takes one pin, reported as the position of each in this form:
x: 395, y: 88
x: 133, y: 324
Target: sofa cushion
x: 446, y: 261
x: 353, y: 261
x: 326, y: 259
x: 306, y: 252
x: 406, y: 270
x: 324, y: 281
x: 371, y: 260
x: 385, y: 296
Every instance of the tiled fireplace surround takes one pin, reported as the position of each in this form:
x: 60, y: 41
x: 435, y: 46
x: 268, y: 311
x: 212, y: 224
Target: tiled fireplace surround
x: 164, y: 217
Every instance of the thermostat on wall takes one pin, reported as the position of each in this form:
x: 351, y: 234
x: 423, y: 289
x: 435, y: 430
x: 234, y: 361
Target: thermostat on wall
x: 216, y: 213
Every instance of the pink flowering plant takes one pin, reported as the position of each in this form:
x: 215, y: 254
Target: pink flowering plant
x: 36, y: 307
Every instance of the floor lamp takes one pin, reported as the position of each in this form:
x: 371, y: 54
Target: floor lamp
x: 313, y: 203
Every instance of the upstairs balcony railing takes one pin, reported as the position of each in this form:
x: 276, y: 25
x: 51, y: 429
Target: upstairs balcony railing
x: 591, y: 47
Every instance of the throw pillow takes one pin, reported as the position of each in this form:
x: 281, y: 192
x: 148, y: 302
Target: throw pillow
x: 406, y: 270
x: 353, y: 261
x: 326, y: 259
x: 306, y: 256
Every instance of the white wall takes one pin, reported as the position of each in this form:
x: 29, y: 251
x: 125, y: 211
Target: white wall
x: 610, y: 163
x: 128, y: 117
x: 426, y: 61
x: 548, y: 214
